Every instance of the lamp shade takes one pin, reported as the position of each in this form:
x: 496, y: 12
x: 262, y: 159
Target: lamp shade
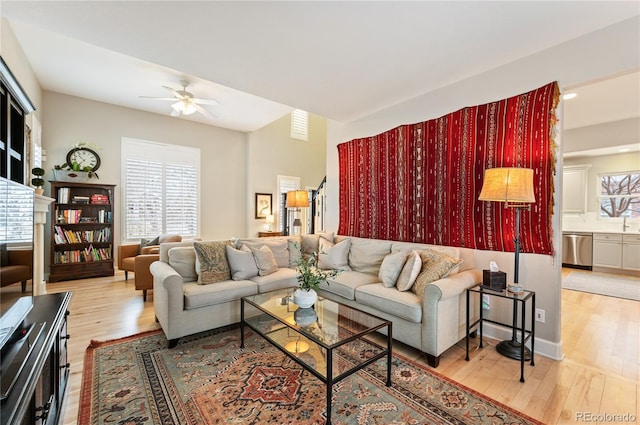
x: 270, y: 218
x: 510, y: 185
x: 297, y: 199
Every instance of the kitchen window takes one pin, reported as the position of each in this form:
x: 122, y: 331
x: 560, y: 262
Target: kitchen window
x: 619, y: 195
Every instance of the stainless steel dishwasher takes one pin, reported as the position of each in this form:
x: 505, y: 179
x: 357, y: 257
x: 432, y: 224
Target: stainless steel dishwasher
x: 577, y: 250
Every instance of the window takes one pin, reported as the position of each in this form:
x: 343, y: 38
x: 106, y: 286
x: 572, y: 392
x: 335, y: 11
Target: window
x: 160, y: 189
x: 619, y: 195
x: 300, y: 125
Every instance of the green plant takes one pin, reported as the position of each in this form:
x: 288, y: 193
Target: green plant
x: 37, y: 181
x: 309, y: 275
x: 76, y: 167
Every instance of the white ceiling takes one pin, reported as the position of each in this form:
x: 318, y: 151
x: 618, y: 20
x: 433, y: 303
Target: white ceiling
x: 342, y: 60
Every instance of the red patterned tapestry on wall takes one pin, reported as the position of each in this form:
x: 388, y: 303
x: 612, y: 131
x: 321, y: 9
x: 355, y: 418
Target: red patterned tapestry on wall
x: 421, y: 182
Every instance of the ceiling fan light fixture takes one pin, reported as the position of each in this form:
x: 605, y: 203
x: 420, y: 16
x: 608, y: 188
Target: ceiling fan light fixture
x: 184, y: 107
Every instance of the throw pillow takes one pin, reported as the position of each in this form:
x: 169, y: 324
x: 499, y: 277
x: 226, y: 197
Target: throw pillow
x: 212, y: 257
x: 242, y: 263
x: 334, y: 256
x: 148, y: 242
x: 309, y: 243
x: 435, y: 265
x: 265, y: 260
x: 409, y: 272
x: 391, y: 267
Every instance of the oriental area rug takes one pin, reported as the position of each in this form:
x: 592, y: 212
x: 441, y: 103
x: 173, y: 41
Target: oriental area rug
x: 209, y: 379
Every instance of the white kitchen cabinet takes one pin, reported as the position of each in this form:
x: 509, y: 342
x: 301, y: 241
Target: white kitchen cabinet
x: 631, y: 252
x: 607, y: 250
x: 574, y: 189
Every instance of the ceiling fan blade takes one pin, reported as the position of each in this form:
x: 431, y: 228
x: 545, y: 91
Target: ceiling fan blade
x: 173, y: 91
x: 212, y: 102
x: 204, y: 112
x: 175, y: 113
x: 156, y: 98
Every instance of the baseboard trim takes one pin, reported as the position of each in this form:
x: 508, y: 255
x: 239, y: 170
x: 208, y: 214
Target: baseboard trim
x: 543, y: 347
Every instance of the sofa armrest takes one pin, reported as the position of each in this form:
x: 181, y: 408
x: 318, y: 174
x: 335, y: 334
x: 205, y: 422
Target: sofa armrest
x: 20, y: 257
x: 126, y: 251
x: 452, y: 285
x: 443, y: 312
x: 143, y: 277
x: 168, y: 296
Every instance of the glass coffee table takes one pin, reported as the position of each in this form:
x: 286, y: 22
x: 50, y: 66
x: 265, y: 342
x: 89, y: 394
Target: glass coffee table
x: 328, y: 340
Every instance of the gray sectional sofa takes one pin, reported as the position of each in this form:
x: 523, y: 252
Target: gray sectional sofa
x: 431, y: 319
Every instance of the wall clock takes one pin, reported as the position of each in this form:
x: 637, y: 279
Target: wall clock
x: 84, y: 157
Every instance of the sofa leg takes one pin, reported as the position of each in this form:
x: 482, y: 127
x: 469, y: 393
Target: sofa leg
x: 433, y: 361
x: 126, y: 275
x: 144, y: 295
x: 173, y: 342
x: 24, y: 285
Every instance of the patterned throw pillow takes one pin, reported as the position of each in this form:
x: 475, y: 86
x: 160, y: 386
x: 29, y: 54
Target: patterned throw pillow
x: 212, y: 257
x: 435, y: 265
x: 409, y: 272
x: 148, y: 242
x: 265, y: 260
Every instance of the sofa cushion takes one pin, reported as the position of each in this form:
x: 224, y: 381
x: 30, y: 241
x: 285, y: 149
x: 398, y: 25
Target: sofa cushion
x: 333, y: 256
x: 196, y: 296
x: 451, y: 251
x: 281, y: 278
x: 241, y: 262
x: 435, y: 266
x: 391, y: 267
x: 346, y: 283
x: 278, y: 246
x: 265, y: 260
x: 211, y: 262
x: 410, y: 271
x: 366, y: 255
x: 406, y: 305
x: 183, y: 260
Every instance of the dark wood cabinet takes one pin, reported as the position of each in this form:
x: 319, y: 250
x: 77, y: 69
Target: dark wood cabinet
x: 37, y: 395
x: 81, y: 231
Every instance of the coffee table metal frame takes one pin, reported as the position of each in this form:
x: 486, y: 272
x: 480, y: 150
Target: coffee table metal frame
x: 264, y: 302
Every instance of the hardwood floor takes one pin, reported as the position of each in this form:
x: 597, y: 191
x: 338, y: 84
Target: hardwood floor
x: 599, y: 375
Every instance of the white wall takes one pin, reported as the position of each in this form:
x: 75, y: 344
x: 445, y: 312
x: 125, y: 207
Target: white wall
x: 69, y: 119
x: 272, y: 151
x: 600, y: 54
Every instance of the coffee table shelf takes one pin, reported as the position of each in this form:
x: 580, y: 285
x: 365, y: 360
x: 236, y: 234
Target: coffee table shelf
x: 324, y: 340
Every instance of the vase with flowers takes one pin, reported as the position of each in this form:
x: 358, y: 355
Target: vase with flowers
x: 309, y: 279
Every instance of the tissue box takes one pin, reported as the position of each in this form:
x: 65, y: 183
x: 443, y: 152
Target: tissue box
x: 494, y: 280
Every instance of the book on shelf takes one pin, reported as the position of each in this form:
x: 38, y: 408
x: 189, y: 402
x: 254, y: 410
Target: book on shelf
x: 78, y: 199
x: 67, y: 236
x: 63, y: 195
x: 68, y: 216
x: 83, y: 255
x: 98, y: 198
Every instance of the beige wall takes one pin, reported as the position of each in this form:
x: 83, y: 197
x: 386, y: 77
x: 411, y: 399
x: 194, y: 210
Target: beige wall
x: 600, y: 54
x: 69, y: 119
x: 272, y: 151
x: 15, y: 59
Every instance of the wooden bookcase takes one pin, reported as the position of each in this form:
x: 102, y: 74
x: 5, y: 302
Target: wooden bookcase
x: 81, y: 231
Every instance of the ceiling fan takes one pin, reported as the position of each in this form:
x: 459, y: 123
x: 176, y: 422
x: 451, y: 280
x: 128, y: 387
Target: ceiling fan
x: 184, y: 102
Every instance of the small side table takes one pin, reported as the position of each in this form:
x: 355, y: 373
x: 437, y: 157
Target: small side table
x: 268, y: 234
x: 510, y: 348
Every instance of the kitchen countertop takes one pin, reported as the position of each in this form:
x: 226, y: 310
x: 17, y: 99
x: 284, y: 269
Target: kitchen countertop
x: 615, y: 232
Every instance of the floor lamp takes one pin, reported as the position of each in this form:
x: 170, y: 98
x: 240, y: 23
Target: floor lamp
x: 297, y: 199
x: 513, y: 187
